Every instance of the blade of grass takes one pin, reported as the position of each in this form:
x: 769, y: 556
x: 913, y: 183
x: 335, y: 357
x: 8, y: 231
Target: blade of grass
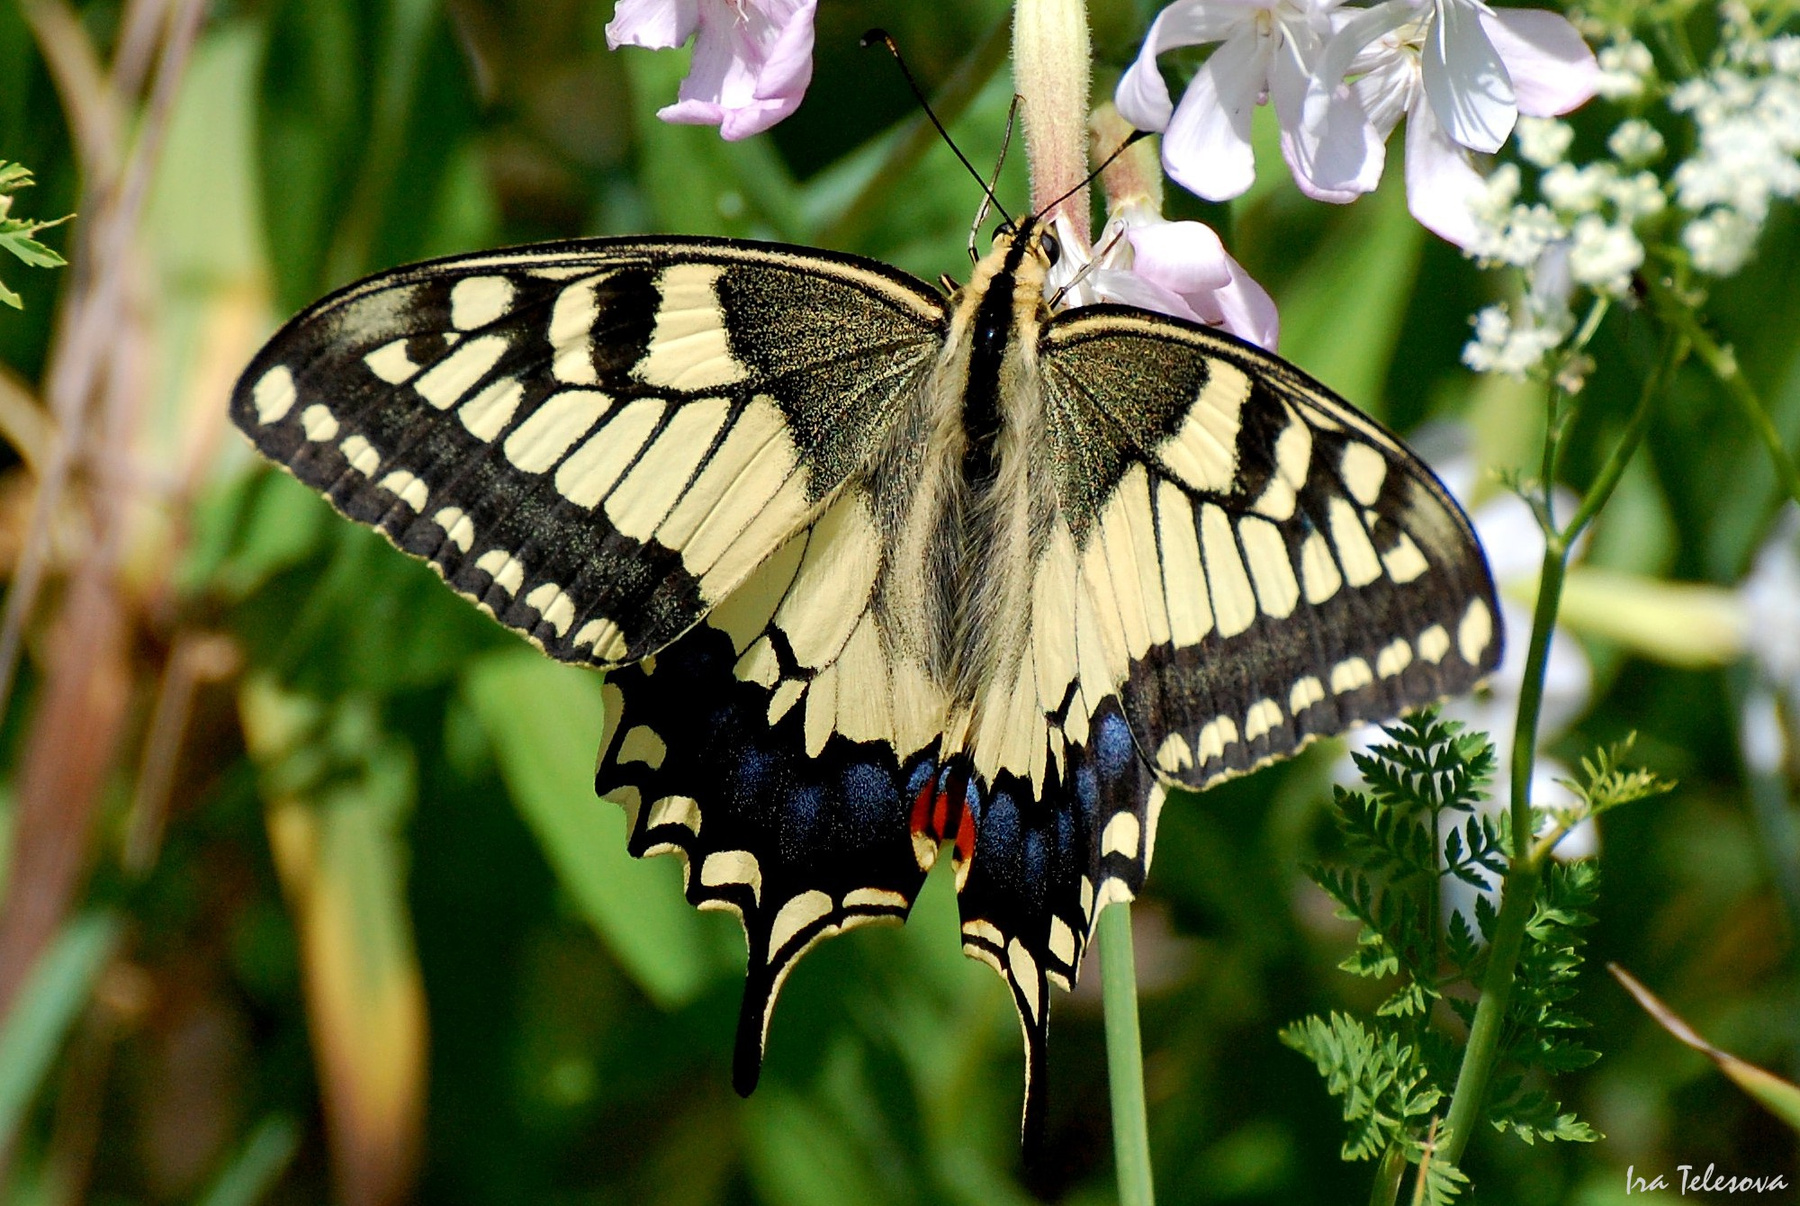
x: 47, y: 1005
x: 1782, y: 1098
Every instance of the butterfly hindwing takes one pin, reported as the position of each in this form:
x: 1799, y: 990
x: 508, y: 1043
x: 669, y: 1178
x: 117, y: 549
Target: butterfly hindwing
x: 777, y: 748
x: 595, y: 441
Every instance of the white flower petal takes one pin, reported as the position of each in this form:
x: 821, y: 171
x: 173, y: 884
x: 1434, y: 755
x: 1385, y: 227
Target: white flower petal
x: 1465, y: 79
x: 1442, y: 189
x: 1142, y: 96
x: 1207, y: 147
x: 1246, y: 309
x: 1330, y: 146
x: 1127, y: 288
x: 1352, y: 31
x: 1552, y: 69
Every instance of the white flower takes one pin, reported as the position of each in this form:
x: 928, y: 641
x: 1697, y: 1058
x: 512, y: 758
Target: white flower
x: 752, y: 58
x: 1502, y: 345
x: 1720, y: 241
x: 1177, y: 268
x: 1771, y: 599
x: 1506, y: 232
x: 1636, y: 141
x: 1637, y: 196
x: 1265, y: 52
x: 1604, y: 255
x: 1578, y: 190
x: 1461, y: 74
x: 1625, y: 69
x: 1543, y: 141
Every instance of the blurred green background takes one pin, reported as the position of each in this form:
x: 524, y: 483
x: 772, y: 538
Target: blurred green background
x: 307, y: 896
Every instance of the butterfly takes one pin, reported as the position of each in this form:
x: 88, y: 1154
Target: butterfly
x: 874, y: 569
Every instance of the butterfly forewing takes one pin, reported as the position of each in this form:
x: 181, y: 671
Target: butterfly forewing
x: 596, y: 442
x: 1297, y: 569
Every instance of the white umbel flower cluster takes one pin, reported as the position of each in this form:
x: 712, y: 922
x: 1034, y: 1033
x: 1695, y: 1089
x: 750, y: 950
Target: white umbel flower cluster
x: 1746, y: 112
x: 1585, y: 226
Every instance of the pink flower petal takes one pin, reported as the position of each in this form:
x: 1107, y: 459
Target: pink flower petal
x: 788, y: 69
x: 1466, y: 80
x: 652, y: 24
x: 1142, y: 96
x: 1125, y: 287
x: 1552, y: 69
x: 1184, y: 257
x: 1207, y: 147
x: 1441, y: 186
x: 749, y: 69
x: 1246, y: 310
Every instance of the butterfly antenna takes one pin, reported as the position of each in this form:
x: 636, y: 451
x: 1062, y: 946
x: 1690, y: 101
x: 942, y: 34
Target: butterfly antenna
x: 1136, y: 135
x: 1012, y: 112
x: 886, y: 39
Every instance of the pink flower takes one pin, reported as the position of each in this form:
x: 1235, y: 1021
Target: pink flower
x: 1266, y: 48
x: 1460, y: 73
x: 752, y: 58
x: 1176, y: 268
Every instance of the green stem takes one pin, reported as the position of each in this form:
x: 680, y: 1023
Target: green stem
x: 1125, y: 1057
x: 1519, y: 895
x: 1723, y: 364
x: 1519, y: 891
x: 1386, y: 1190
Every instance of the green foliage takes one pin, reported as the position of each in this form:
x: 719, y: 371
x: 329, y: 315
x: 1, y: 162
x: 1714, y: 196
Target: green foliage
x: 1416, y: 824
x: 1387, y: 1091
x: 1605, y: 784
x: 16, y: 233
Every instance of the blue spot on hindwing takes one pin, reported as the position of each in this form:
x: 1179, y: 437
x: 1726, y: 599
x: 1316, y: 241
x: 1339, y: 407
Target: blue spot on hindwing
x: 1113, y: 745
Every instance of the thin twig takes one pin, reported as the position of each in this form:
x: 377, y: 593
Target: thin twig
x: 1722, y: 361
x: 89, y: 102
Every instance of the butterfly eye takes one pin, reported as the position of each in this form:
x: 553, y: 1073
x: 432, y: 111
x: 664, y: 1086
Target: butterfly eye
x: 1051, y: 248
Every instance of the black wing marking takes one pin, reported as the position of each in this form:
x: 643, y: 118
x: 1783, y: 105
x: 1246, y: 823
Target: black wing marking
x: 778, y: 747
x: 596, y: 441
x: 1280, y: 566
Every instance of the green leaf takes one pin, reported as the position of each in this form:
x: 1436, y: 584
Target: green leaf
x: 46, y: 1006
x: 1533, y: 1115
x: 545, y: 721
x: 257, y: 1165
x: 28, y: 249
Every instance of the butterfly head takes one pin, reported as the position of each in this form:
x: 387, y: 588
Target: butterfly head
x: 1033, y: 236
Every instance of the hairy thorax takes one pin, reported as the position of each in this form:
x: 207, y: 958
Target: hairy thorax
x: 966, y: 541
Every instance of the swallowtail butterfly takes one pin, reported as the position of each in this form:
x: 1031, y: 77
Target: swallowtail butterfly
x: 873, y: 569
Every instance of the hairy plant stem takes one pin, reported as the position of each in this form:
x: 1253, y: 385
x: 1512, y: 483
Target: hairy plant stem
x: 1526, y: 865
x: 1125, y: 1057
x: 1722, y: 362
